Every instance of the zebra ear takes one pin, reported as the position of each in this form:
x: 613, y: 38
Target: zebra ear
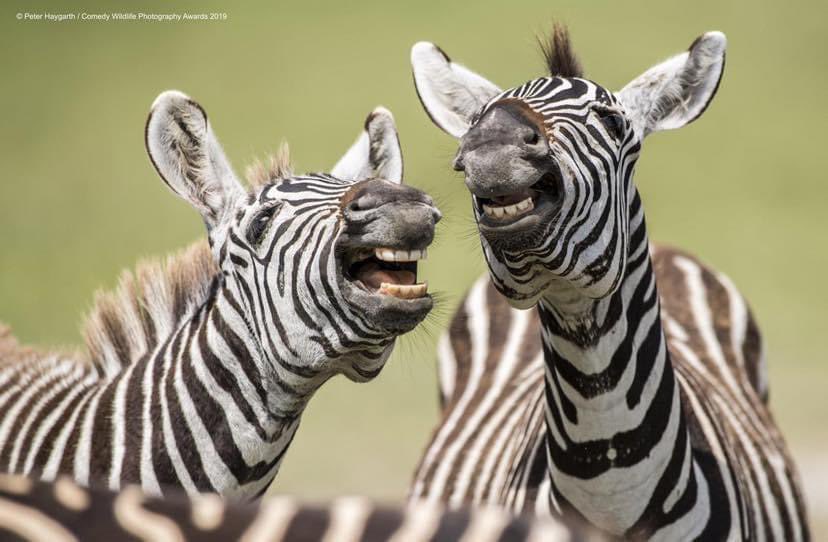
x: 188, y: 157
x: 677, y: 91
x: 449, y: 92
x: 376, y: 152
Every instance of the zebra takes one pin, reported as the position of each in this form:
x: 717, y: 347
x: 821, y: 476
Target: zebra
x: 634, y: 395
x: 198, y: 369
x: 63, y: 511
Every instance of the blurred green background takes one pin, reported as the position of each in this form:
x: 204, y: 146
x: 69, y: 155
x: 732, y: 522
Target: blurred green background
x: 744, y: 188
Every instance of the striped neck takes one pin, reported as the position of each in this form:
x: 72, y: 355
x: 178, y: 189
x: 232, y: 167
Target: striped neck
x: 617, y: 440
x: 280, y: 378
x: 240, y: 414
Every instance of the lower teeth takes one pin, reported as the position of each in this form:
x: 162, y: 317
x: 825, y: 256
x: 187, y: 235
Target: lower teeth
x: 404, y: 291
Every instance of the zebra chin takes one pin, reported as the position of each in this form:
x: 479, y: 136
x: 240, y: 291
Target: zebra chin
x: 384, y: 311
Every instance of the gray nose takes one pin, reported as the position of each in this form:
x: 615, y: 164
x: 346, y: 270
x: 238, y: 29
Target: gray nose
x: 381, y: 213
x: 503, y: 153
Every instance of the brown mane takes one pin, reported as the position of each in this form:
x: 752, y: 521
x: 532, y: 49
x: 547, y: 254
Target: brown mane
x: 274, y: 169
x: 128, y: 321
x: 149, y: 302
x: 558, y: 54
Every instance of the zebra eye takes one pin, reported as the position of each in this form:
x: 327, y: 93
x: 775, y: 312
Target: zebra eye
x: 258, y: 226
x: 613, y: 122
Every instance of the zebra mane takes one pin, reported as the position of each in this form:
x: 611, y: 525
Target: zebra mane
x: 10, y: 349
x: 275, y: 168
x: 151, y: 301
x: 558, y: 54
x: 12, y: 352
x: 147, y: 305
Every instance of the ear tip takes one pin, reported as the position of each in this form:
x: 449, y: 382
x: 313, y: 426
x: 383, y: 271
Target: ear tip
x: 381, y: 111
x: 425, y: 50
x: 170, y: 97
x: 421, y: 48
x: 715, y: 41
x: 379, y: 119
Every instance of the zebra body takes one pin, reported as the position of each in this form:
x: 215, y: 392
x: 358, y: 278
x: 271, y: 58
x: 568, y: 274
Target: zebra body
x: 633, y: 394
x: 63, y: 511
x: 199, y: 368
x: 175, y: 417
x: 489, y: 445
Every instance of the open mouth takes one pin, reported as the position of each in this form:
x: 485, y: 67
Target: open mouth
x: 508, y: 209
x: 386, y: 271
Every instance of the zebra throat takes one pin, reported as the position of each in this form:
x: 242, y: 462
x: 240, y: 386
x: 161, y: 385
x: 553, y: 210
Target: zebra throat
x: 614, y: 413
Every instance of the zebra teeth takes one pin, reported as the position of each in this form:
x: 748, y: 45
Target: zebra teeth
x: 504, y: 211
x: 391, y: 255
x: 404, y: 291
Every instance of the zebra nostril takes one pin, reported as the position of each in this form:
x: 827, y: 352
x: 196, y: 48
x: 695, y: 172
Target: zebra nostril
x: 458, y: 164
x: 531, y: 137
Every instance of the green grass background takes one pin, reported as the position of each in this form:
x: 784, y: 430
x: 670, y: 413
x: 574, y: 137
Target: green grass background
x: 744, y: 187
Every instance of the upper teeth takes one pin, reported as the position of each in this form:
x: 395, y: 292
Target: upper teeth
x: 390, y: 255
x: 509, y: 210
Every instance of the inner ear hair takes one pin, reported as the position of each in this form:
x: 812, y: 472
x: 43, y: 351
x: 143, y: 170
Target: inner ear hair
x: 558, y: 54
x: 694, y: 85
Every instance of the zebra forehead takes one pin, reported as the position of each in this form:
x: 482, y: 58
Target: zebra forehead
x: 539, y: 98
x: 317, y: 187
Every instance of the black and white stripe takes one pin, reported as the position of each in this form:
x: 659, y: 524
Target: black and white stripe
x: 62, y: 511
x: 648, y: 366
x: 199, y: 368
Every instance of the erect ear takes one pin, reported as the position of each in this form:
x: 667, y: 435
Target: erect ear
x: 188, y: 156
x: 449, y: 92
x: 675, y: 92
x: 376, y: 152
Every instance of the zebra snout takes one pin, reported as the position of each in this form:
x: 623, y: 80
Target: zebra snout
x: 504, y: 152
x: 381, y: 213
x: 403, y: 225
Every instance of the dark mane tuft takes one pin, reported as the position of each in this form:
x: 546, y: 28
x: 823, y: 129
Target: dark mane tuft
x: 558, y: 53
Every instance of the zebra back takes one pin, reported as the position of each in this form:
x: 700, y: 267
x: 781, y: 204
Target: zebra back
x: 491, y: 387
x: 63, y: 511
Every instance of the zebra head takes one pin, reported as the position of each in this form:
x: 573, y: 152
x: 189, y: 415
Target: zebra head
x: 550, y: 162
x: 322, y: 268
